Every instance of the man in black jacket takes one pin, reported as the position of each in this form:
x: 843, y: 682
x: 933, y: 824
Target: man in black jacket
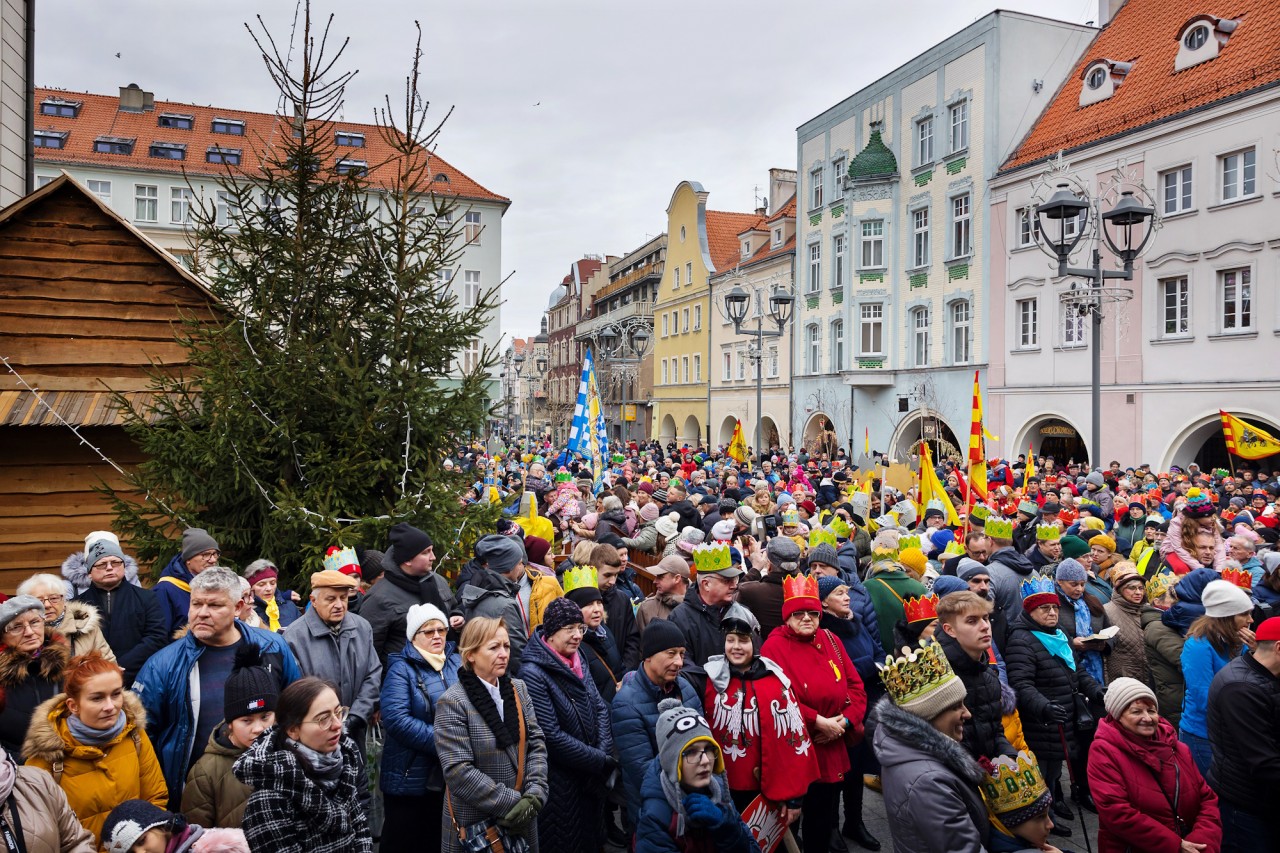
x: 409, y: 578
x: 619, y: 613
x: 132, y: 622
x: 965, y: 619
x: 1244, y: 704
x: 699, y: 615
x: 678, y: 502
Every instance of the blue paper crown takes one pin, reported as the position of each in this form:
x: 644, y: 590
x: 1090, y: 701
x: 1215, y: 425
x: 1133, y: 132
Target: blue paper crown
x: 1037, y: 584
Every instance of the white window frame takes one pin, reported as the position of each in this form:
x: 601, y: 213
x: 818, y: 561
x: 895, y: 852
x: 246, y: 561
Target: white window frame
x: 1176, y: 188
x: 473, y: 225
x: 921, y: 337
x: 226, y: 210
x: 688, y: 273
x: 838, y: 168
x: 837, y: 346
x: 1028, y: 313
x: 684, y: 321
x: 1238, y: 174
x: 815, y: 267
x: 726, y: 366
x: 684, y: 363
x: 180, y: 201
x: 100, y: 188
x: 1236, y: 315
x: 920, y: 248
x: 961, y: 331
x: 697, y: 318
x: 871, y: 244
x: 697, y: 367
x: 666, y: 373
x: 816, y: 178
x: 777, y: 237
x: 961, y: 242
x: 1173, y: 304
x: 1028, y: 226
x: 871, y: 329
x: 742, y: 364
x: 924, y: 141
x: 666, y: 325
x: 470, y: 288
x: 676, y: 283
x: 773, y: 361
x: 813, y: 348
x: 146, y: 203
x: 837, y: 260
x: 958, y: 126
x: 1074, y: 328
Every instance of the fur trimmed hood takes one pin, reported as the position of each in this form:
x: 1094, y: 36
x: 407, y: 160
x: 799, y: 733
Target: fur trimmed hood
x: 49, y: 738
x: 913, y: 738
x: 14, y: 666
x: 79, y: 619
x: 76, y: 572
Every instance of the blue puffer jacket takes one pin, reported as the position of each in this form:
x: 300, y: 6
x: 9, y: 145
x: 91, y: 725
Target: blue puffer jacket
x: 164, y: 686
x: 655, y: 832
x: 859, y: 598
x: 635, y: 720
x: 1188, y: 608
x: 175, y: 600
x: 410, y: 766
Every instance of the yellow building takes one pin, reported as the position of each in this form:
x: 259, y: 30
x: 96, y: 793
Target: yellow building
x: 700, y: 242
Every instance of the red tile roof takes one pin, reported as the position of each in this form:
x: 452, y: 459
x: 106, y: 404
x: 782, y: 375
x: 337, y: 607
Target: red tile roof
x: 788, y: 210
x: 1146, y: 33
x: 722, y: 236
x: 100, y: 116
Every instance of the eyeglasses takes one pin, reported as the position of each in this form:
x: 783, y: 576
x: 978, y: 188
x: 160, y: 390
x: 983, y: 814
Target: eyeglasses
x: 51, y: 599
x: 575, y: 629
x: 432, y: 632
x: 211, y: 554
x: 696, y: 755
x: 17, y: 629
x: 328, y: 717
x: 808, y: 616
x: 108, y: 564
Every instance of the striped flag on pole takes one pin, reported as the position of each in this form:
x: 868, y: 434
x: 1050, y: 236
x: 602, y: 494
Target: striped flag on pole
x: 588, y: 436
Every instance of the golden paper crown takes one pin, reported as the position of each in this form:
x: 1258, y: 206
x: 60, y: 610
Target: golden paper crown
x: 712, y: 557
x: 1048, y: 533
x: 998, y: 528
x: 922, y: 609
x: 979, y: 512
x: 580, y: 576
x: 1015, y: 788
x: 916, y: 673
x: 1160, y: 583
x: 820, y: 535
x: 799, y: 586
x: 908, y: 541
x: 791, y: 516
x: 339, y: 558
x: 879, y: 555
x: 953, y: 549
x: 1239, y: 577
x: 839, y: 527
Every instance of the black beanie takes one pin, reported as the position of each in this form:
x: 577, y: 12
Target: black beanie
x: 660, y: 635
x: 584, y: 595
x: 407, y: 542
x: 250, y: 689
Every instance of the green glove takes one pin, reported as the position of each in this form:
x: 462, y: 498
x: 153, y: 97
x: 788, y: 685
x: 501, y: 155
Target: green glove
x: 521, y: 814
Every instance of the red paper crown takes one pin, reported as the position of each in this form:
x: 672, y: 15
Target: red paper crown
x: 799, y: 586
x: 1240, y: 577
x: 922, y: 609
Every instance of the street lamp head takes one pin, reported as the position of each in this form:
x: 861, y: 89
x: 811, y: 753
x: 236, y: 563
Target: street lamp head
x: 640, y: 341
x: 1063, y: 207
x: 608, y: 340
x: 541, y: 364
x: 1124, y: 217
x: 518, y: 361
x: 736, y: 303
x: 780, y: 305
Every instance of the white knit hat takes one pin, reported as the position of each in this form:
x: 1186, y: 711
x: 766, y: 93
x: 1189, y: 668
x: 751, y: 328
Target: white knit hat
x: 1223, y: 598
x: 421, y: 614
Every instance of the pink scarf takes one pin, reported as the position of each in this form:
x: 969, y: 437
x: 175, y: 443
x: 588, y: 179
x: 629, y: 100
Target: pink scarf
x: 574, y: 664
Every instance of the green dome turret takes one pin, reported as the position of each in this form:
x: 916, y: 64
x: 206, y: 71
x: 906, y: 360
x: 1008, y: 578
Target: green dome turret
x: 875, y: 162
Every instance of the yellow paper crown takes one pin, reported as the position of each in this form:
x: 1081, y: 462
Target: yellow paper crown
x: 712, y: 557
x: 908, y: 541
x: 953, y: 549
x: 1240, y: 577
x: 979, y: 512
x: 998, y: 528
x: 916, y: 673
x: 1160, y: 583
x: 1048, y: 533
x: 580, y: 576
x: 839, y: 527
x: 1015, y: 787
x: 820, y: 535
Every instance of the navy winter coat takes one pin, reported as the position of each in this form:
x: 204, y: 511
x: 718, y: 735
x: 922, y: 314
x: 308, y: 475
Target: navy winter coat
x: 601, y: 656
x: 410, y: 766
x: 575, y: 722
x: 655, y: 832
x: 635, y: 720
x: 175, y: 599
x: 132, y: 624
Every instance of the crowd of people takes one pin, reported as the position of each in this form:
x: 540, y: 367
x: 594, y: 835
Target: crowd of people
x: 682, y: 652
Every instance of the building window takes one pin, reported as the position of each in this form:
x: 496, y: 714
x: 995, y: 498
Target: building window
x: 49, y: 139
x: 229, y: 126
x: 871, y: 329
x: 666, y: 377
x: 961, y: 333
x: 959, y: 126
x: 471, y: 357
x: 1175, y: 307
x: 1029, y: 226
x: 697, y: 368
x: 697, y: 318
x: 773, y: 362
x: 228, y: 208
x: 348, y: 138
x: 837, y: 346
x: 812, y: 348
x: 1236, y: 286
x: 742, y: 364
x: 60, y: 108
x: 815, y: 267
x: 113, y: 145
x: 1175, y: 190
x: 676, y: 286
x: 815, y: 189
x: 837, y: 261
x: 920, y: 237
x: 1238, y: 175
x: 873, y: 244
x: 167, y: 151
x: 351, y: 167
x: 777, y: 237
x: 146, y: 203
x: 179, y: 205
x: 726, y: 366
x: 684, y: 362
x: 223, y: 156
x: 746, y: 248
x: 837, y: 172
x: 472, y: 224
x: 688, y: 273
x: 1073, y: 327
x: 176, y: 121
x: 961, y: 236
x: 470, y: 288
x: 666, y: 326
x: 1028, y: 324
x: 684, y: 320
x: 102, y: 189
x: 920, y: 337
x: 43, y: 180
x: 924, y: 141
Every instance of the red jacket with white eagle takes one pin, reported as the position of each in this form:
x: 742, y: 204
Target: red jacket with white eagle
x: 757, y: 721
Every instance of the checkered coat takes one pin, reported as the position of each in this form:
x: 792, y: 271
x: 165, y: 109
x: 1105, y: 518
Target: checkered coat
x: 478, y: 775
x: 289, y: 812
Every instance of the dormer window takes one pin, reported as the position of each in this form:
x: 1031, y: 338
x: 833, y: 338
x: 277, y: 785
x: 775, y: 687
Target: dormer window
x: 50, y: 139
x: 1201, y: 39
x: 777, y: 237
x: 113, y: 145
x: 349, y: 139
x: 60, y: 107
x: 168, y: 151
x: 746, y: 248
x: 178, y: 121
x: 229, y: 126
x: 1101, y: 79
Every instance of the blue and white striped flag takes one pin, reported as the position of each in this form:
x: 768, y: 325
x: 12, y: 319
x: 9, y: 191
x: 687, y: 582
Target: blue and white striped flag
x: 588, y: 436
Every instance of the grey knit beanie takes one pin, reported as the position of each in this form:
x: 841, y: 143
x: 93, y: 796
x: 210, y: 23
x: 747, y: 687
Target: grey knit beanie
x: 677, y: 728
x: 196, y: 540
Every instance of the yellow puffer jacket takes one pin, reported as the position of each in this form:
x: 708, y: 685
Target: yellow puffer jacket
x: 96, y: 779
x: 544, y: 589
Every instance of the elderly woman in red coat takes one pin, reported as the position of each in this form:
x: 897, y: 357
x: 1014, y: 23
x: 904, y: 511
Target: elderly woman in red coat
x: 1149, y: 793
x: 831, y: 697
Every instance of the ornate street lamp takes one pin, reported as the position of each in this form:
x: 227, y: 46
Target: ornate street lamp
x: 737, y: 302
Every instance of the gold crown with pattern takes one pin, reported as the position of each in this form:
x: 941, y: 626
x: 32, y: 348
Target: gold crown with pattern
x: 712, y: 557
x: 1048, y: 533
x: 917, y: 673
x: 820, y: 535
x: 580, y: 576
x: 998, y: 528
x: 1160, y: 583
x: 1014, y: 788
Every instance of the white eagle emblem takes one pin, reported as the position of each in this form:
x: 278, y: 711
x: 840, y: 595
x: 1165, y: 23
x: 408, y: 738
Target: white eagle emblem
x: 740, y: 721
x: 789, y: 725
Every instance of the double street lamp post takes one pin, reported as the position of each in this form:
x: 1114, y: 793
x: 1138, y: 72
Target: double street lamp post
x: 614, y: 342
x: 737, y: 302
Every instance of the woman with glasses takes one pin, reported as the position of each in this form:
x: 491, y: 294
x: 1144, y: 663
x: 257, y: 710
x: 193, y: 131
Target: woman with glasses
x: 832, y: 701
x: 490, y: 745
x: 76, y: 622
x: 575, y: 722
x: 305, y: 774
x: 411, y: 780
x: 33, y: 662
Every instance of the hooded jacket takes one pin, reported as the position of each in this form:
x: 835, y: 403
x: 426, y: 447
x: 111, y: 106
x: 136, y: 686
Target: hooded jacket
x: 490, y: 594
x: 634, y: 713
x: 81, y: 627
x: 48, y: 823
x: 96, y: 779
x: 385, y: 604
x: 656, y: 831
x: 131, y: 621
x: 75, y: 571
x: 25, y: 683
x: 924, y: 772
x: 213, y: 795
x: 1164, y: 660
x: 410, y: 766
x: 290, y: 812
x: 1007, y: 570
x: 173, y: 591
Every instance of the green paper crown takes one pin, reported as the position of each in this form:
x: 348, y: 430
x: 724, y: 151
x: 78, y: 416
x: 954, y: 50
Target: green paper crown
x: 998, y: 528
x: 839, y: 527
x: 580, y: 576
x: 712, y: 557
x: 1048, y: 533
x: 819, y: 535
x: 979, y: 512
x: 909, y: 541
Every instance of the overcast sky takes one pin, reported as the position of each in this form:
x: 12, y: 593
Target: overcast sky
x: 585, y: 113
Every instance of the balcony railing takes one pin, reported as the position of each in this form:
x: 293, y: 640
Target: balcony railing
x: 653, y: 270
x: 631, y: 312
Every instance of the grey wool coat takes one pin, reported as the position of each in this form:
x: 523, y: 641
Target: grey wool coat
x: 348, y: 659
x: 479, y: 777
